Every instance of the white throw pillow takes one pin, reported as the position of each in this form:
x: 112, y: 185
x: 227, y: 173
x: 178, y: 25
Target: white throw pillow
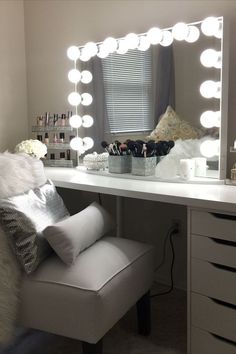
x: 71, y: 236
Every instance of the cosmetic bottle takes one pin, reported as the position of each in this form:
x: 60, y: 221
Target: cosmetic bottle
x: 47, y: 116
x: 52, y: 156
x: 55, y: 119
x: 63, y: 120
x: 55, y: 138
x: 233, y: 174
x: 46, y: 138
x: 40, y: 121
x: 62, y: 155
x: 40, y: 137
x: 62, y: 137
x: 68, y: 154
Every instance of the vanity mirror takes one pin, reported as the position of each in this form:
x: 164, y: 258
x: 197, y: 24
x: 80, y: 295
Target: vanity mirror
x: 127, y: 83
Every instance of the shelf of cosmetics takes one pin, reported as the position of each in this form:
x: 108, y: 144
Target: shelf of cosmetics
x: 55, y: 140
x: 136, y: 157
x: 53, y: 122
x: 59, y: 159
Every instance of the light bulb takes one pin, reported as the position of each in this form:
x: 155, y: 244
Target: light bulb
x: 122, y: 47
x: 193, y: 34
x: 76, y: 143
x: 132, y: 40
x: 87, y: 121
x: 167, y: 38
x: 210, y: 58
x: 75, y: 121
x: 85, y: 56
x: 210, y: 26
x: 91, y: 49
x: 74, y: 76
x: 87, y: 99
x: 102, y: 52
x: 210, y: 148
x: 110, y: 44
x: 86, y: 77
x: 88, y: 143
x: 210, y: 89
x: 74, y: 98
x: 73, y: 52
x: 210, y: 119
x: 218, y: 90
x: 144, y: 43
x: 154, y: 35
x: 180, y: 31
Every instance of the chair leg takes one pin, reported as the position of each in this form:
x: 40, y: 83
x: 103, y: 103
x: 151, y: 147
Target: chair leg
x: 144, y: 314
x: 89, y: 348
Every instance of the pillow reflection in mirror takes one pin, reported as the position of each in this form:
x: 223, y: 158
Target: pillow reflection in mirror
x: 171, y: 127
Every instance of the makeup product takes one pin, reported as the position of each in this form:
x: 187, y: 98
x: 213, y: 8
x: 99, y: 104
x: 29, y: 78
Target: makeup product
x: 55, y: 119
x: 200, y: 166
x: 63, y: 120
x: 62, y: 137
x: 55, y: 138
x: 62, y: 155
x: 186, y: 168
x: 47, y: 116
x: 46, y: 138
x: 40, y: 137
x: 52, y: 156
x: 40, y: 121
x: 68, y: 154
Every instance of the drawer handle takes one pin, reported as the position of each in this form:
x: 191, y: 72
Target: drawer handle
x: 223, y: 303
x: 224, y: 267
x: 223, y: 242
x: 223, y: 339
x: 224, y: 216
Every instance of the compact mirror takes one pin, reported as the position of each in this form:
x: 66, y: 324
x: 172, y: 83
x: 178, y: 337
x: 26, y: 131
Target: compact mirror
x: 125, y: 85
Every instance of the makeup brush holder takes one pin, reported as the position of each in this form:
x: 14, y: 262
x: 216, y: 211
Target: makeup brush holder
x: 143, y: 166
x: 119, y: 164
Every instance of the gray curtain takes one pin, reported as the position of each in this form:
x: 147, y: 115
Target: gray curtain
x: 100, y: 130
x: 164, y: 80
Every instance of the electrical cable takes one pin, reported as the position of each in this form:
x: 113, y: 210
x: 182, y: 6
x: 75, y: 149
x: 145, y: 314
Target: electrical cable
x: 171, y: 232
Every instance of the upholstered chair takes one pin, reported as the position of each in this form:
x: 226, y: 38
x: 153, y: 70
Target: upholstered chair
x: 82, y: 288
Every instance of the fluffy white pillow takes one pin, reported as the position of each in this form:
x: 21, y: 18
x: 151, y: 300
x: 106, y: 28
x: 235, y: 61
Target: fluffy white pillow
x: 71, y: 236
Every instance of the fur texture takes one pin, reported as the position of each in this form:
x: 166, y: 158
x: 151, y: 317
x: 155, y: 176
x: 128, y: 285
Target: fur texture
x: 18, y: 174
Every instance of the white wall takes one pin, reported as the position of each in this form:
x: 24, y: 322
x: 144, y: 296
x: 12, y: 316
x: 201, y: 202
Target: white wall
x: 53, y: 25
x: 13, y: 102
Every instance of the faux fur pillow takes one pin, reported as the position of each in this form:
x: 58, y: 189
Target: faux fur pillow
x: 171, y: 127
x: 19, y: 173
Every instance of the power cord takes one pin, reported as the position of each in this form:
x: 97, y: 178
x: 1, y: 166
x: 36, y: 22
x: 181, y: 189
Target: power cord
x: 171, y: 232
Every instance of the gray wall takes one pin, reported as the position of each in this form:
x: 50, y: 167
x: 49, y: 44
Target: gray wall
x: 13, y: 102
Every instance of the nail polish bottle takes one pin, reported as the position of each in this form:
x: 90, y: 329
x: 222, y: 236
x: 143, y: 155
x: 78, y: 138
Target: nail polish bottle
x: 63, y: 120
x: 62, y: 137
x: 46, y: 138
x: 68, y: 154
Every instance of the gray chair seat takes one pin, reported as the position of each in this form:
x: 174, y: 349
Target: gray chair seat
x: 85, y: 300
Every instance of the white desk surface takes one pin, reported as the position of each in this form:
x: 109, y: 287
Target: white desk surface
x: 211, y: 196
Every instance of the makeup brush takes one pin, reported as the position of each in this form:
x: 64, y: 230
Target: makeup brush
x: 105, y: 146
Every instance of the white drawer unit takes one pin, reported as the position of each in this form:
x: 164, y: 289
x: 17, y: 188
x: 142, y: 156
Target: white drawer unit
x: 212, y: 283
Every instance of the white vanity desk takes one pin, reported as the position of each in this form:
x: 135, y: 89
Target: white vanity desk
x: 211, y: 248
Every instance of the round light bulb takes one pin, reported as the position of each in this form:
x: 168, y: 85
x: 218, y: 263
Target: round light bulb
x: 88, y: 143
x: 180, y: 31
x: 102, y: 52
x: 154, y: 35
x: 209, y: 148
x: 122, y: 47
x: 210, y: 119
x: 193, y: 34
x: 210, y: 26
x: 74, y: 98
x: 87, y: 121
x: 74, y: 76
x: 76, y: 143
x: 73, y: 52
x: 210, y: 58
x: 167, y: 38
x: 91, y: 49
x: 209, y: 89
x: 87, y: 99
x: 110, y: 44
x: 86, y: 77
x: 85, y: 55
x: 132, y: 40
x: 75, y: 121
x: 144, y: 43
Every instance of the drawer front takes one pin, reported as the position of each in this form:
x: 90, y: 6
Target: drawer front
x: 213, y: 250
x: 213, y: 317
x: 215, y: 225
x: 203, y: 342
x: 214, y: 281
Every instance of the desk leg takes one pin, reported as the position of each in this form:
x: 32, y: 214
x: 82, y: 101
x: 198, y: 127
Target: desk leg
x: 119, y: 219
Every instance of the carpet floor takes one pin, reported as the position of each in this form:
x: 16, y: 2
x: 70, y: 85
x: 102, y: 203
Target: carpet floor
x: 169, y: 331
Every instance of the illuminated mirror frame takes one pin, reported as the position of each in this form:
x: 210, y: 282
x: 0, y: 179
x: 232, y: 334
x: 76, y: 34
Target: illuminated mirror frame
x: 211, y: 26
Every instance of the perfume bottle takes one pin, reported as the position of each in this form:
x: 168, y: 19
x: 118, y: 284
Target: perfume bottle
x: 62, y: 137
x: 55, y: 138
x: 46, y: 138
